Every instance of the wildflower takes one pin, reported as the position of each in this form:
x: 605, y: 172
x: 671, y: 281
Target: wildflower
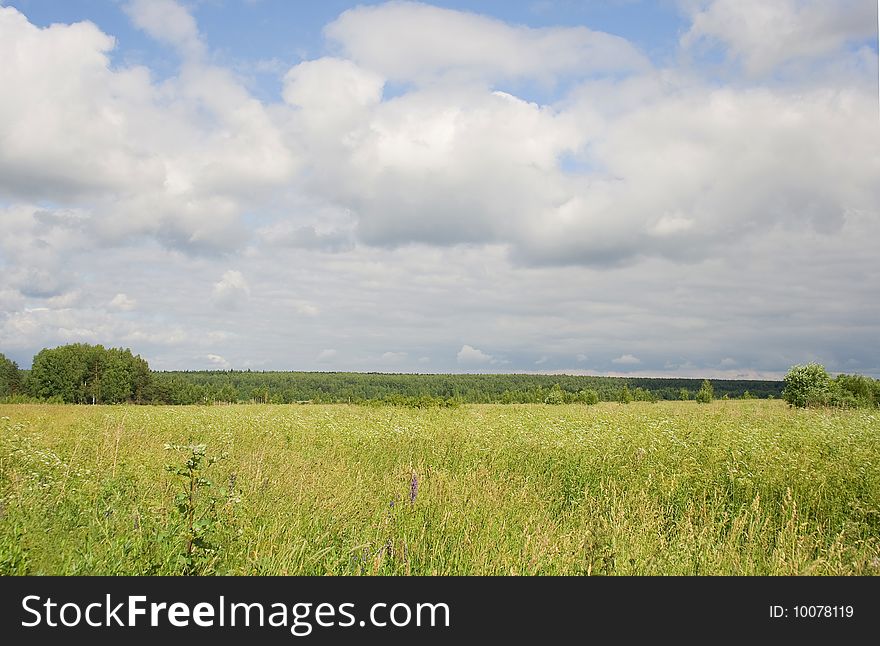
x: 413, y: 488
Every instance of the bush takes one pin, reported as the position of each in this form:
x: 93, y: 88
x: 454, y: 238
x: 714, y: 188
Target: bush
x: 807, y: 385
x: 555, y: 396
x: 588, y: 396
x: 706, y: 393
x: 855, y: 390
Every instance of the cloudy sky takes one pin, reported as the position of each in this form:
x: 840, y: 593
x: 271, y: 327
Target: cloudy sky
x: 639, y: 188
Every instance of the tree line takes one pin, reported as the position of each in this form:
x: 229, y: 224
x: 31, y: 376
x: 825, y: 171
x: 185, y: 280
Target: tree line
x: 86, y: 374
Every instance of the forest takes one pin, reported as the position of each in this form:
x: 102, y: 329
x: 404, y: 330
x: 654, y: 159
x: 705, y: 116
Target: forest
x: 86, y: 374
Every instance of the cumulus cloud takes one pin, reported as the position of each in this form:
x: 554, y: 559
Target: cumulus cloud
x: 231, y: 290
x: 123, y: 303
x: 632, y: 195
x: 470, y: 355
x: 763, y: 35
x: 626, y: 360
x: 168, y: 22
x: 176, y: 161
x: 217, y: 361
x: 409, y: 41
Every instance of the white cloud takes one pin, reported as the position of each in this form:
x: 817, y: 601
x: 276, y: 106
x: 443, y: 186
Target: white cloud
x: 471, y: 355
x: 123, y: 303
x: 408, y: 41
x: 404, y: 201
x: 764, y: 35
x: 393, y: 357
x: 626, y: 360
x: 175, y: 161
x: 168, y: 22
x: 231, y: 290
x: 332, y: 88
x: 217, y: 361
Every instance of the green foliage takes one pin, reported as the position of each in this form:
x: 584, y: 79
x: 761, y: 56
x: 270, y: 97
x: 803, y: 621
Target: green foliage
x: 197, y: 505
x: 706, y: 393
x: 624, y: 396
x: 684, y: 394
x: 84, y: 374
x: 855, y: 391
x: 588, y: 396
x: 747, y: 395
x: 10, y: 377
x: 807, y: 385
x: 555, y: 396
x: 208, y: 387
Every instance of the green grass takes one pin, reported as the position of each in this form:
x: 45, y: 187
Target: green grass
x: 733, y: 487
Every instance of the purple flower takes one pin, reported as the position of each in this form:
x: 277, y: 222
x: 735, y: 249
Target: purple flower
x: 413, y: 488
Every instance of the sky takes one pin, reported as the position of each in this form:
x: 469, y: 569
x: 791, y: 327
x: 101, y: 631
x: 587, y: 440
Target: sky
x: 679, y: 189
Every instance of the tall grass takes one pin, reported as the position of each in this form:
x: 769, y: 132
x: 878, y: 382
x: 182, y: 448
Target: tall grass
x: 733, y: 487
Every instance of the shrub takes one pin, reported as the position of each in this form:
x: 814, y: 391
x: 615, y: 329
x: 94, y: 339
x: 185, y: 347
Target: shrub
x: 855, y: 390
x: 588, y: 396
x: 555, y: 396
x: 807, y: 385
x: 706, y: 393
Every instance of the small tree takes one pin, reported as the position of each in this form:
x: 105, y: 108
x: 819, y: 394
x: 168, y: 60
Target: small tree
x: 706, y: 393
x: 555, y: 396
x: 807, y: 385
x: 10, y: 377
x: 684, y: 394
x: 625, y: 395
x: 588, y: 396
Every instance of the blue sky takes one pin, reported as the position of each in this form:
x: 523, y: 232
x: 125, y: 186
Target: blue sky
x: 647, y: 188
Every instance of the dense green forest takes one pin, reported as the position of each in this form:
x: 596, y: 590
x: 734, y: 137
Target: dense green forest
x: 86, y: 374
x: 333, y: 387
x: 81, y: 373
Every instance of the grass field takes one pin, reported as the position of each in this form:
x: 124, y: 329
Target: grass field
x: 733, y: 487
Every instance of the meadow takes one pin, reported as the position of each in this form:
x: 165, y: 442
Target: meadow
x: 733, y: 487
